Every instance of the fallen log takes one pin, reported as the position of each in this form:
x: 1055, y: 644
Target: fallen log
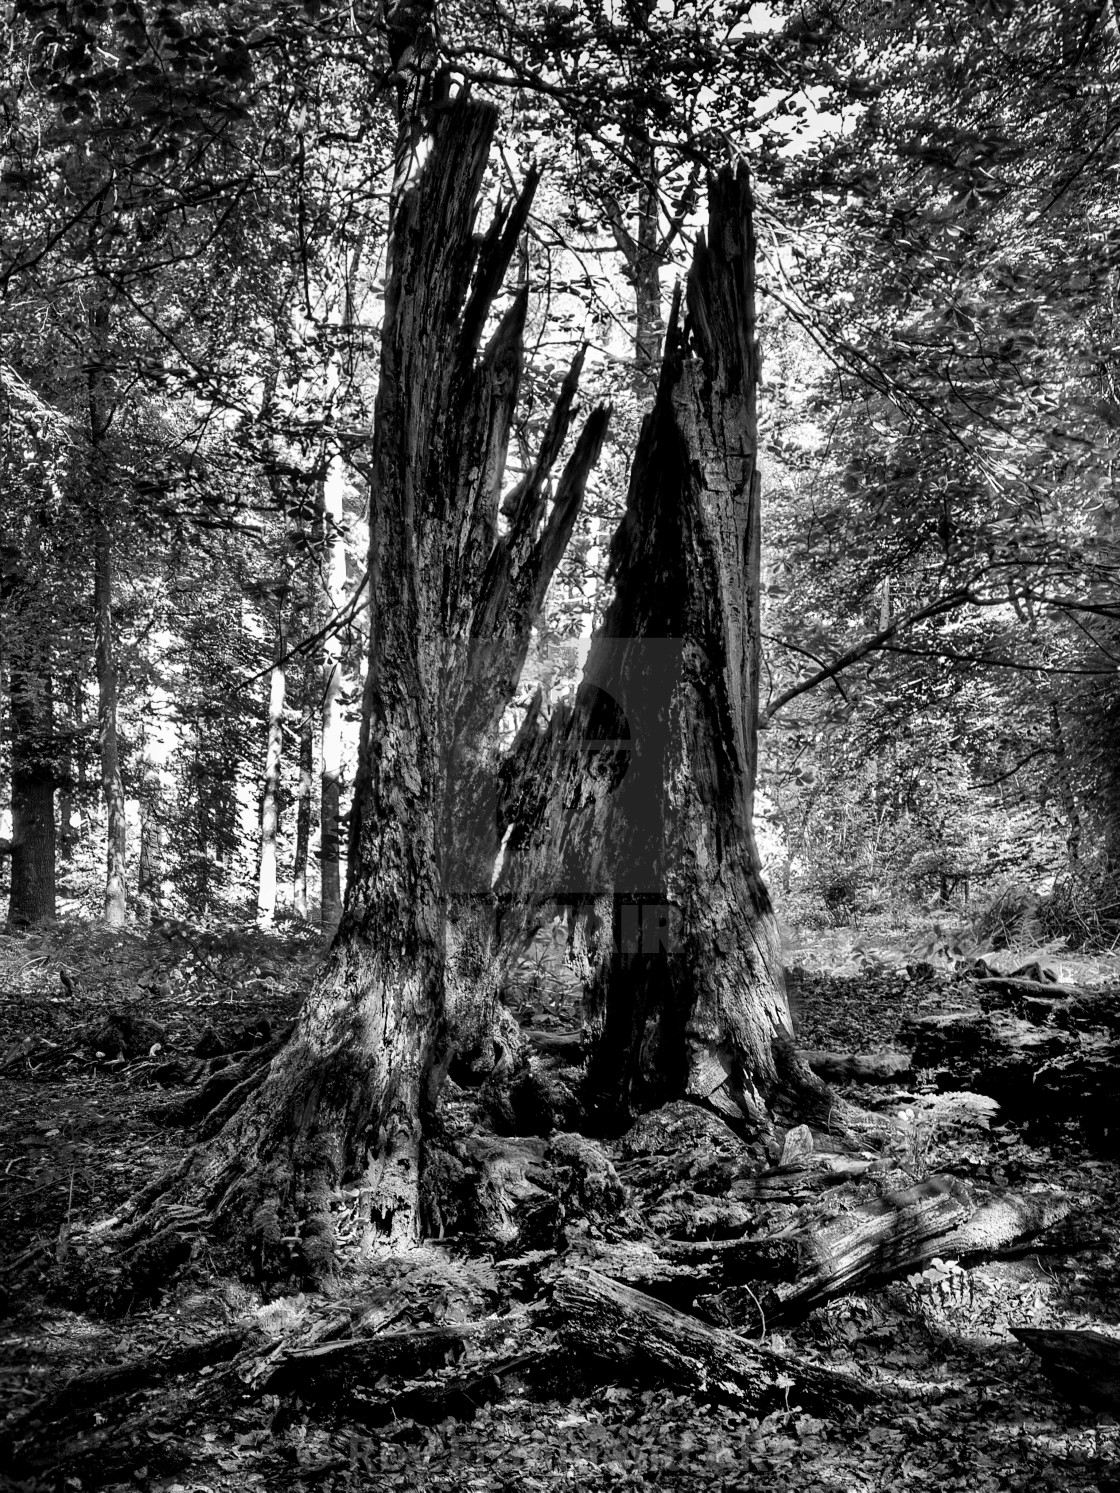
x: 1017, y: 985
x: 791, y: 1272
x: 325, y: 1369
x: 1049, y: 1003
x: 69, y: 1410
x: 986, y: 1053
x: 782, y: 1183
x: 1005, y: 1219
x: 1037, y: 1072
x: 866, y: 1248
x: 567, y: 1046
x: 1083, y: 1366
x: 853, y: 1067
x: 1092, y: 1008
x: 601, y: 1320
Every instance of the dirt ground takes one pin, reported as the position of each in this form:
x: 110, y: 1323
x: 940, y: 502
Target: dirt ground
x: 81, y: 1130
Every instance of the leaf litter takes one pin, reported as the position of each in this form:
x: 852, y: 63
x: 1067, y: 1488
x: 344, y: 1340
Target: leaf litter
x: 969, y: 1406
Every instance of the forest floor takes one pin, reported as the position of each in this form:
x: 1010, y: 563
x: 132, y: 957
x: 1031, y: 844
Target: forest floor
x: 963, y: 1404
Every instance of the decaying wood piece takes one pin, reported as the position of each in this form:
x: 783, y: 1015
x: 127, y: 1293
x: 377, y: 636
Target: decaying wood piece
x: 567, y: 1046
x: 327, y: 1369
x: 853, y: 1067
x: 1005, y: 1219
x: 787, y: 1274
x: 1037, y: 1071
x: 602, y: 1320
x: 1084, y: 1366
x: 791, y: 1272
x: 1015, y: 986
x: 87, y: 1390
x: 983, y: 1052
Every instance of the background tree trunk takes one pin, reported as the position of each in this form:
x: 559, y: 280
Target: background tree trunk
x: 303, y: 798
x: 150, y: 871
x: 32, y: 894
x: 1066, y: 794
x: 329, y: 519
x: 105, y: 663
x: 112, y: 784
x: 270, y: 796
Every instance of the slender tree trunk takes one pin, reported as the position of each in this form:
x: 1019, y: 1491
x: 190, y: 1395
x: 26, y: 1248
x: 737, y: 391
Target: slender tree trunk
x: 83, y: 794
x: 643, y: 255
x: 112, y: 785
x: 270, y: 796
x: 330, y: 737
x: 32, y: 895
x: 67, y: 835
x: 303, y: 800
x: 649, y: 325
x: 1066, y: 794
x: 150, y: 872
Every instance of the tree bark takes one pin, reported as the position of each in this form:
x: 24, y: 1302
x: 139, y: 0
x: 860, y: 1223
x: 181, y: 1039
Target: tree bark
x: 270, y: 797
x: 646, y: 1340
x: 112, y: 784
x: 331, y: 1144
x: 639, y: 806
x: 150, y: 873
x: 70, y: 745
x: 105, y: 663
x: 334, y: 587
x: 303, y: 802
x: 32, y: 895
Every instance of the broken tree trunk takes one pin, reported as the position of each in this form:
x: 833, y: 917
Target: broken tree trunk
x: 637, y: 806
x: 510, y: 594
x: 330, y: 1146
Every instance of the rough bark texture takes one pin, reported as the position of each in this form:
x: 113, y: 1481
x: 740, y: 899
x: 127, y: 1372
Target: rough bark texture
x: 270, y: 797
x: 639, y: 805
x: 645, y: 1339
x: 511, y: 593
x: 329, y: 1147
